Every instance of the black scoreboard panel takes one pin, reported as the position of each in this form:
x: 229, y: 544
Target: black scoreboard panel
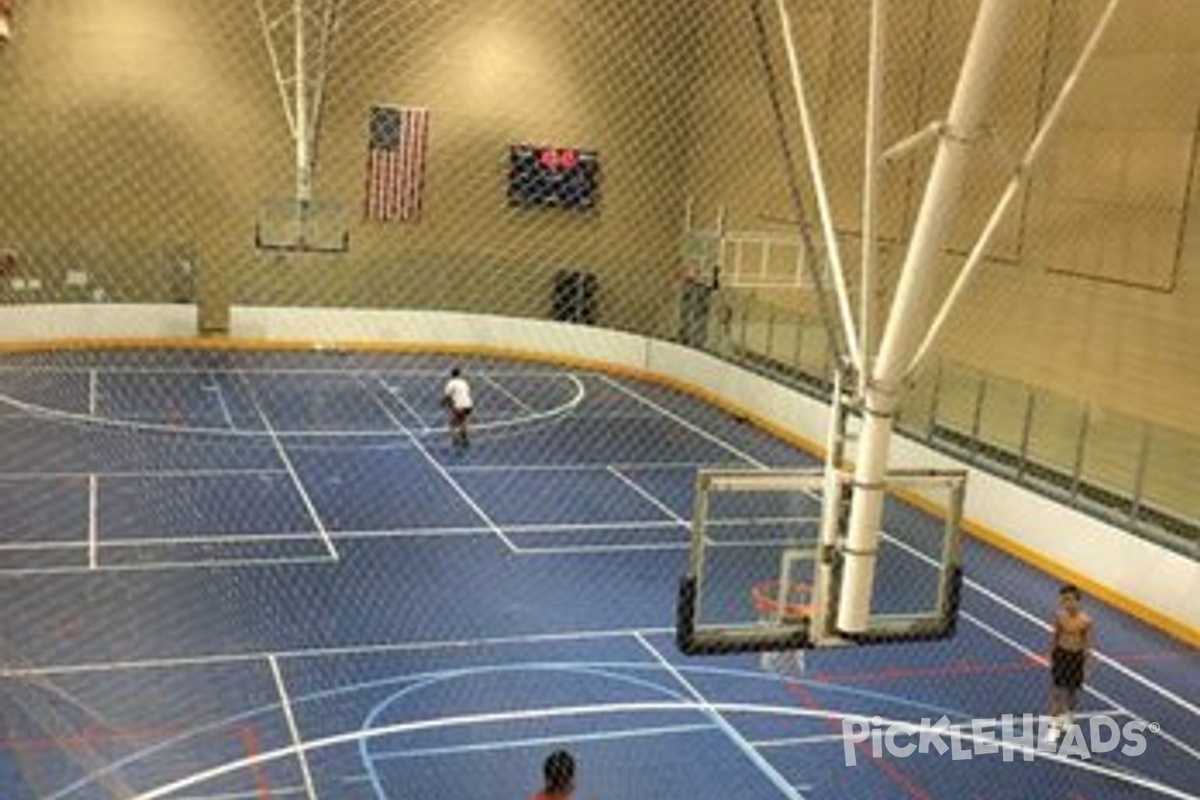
x: 562, y: 177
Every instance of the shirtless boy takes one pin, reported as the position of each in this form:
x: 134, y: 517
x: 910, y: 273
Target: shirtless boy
x: 1070, y: 643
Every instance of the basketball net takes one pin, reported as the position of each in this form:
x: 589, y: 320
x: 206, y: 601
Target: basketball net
x: 774, y: 606
x: 784, y: 663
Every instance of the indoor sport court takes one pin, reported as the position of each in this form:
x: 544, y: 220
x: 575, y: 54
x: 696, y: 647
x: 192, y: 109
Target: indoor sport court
x: 810, y: 348
x: 256, y: 575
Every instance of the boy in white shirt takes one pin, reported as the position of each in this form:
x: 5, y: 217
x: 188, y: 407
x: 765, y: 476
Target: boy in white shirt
x: 457, y: 400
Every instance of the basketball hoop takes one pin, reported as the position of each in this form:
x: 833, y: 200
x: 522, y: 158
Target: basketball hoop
x: 774, y: 609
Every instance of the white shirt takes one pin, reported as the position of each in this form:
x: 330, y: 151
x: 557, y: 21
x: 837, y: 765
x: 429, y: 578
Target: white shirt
x: 459, y: 392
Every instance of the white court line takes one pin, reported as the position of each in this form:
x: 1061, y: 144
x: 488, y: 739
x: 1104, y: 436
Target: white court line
x: 1030, y: 653
x: 504, y: 391
x: 734, y: 735
x: 542, y: 741
x: 395, y: 393
x: 479, y: 720
x: 141, y: 473
x: 1087, y: 687
x: 1118, y: 709
x: 550, y: 372
x: 730, y: 522
x: 291, y: 470
x: 575, y: 549
x: 92, y: 392
x: 1020, y: 612
x: 297, y: 741
x: 567, y: 550
x: 214, y: 386
x: 333, y: 652
x: 475, y: 721
x: 751, y: 522
x: 666, y: 412
x: 659, y: 504
x: 446, y: 476
x: 1133, y: 675
x: 93, y: 533
x: 584, y: 467
x: 148, y: 424
x: 250, y: 794
x: 164, y: 566
x: 42, y: 544
x: 573, y: 527
x: 273, y: 537
x: 823, y: 738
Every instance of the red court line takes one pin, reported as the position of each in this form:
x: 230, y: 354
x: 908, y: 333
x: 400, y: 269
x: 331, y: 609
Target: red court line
x: 262, y: 786
x: 893, y: 773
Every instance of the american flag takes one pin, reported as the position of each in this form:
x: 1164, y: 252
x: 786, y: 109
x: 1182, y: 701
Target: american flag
x: 398, y: 140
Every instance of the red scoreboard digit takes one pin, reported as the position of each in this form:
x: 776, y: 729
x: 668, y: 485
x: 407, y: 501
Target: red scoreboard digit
x: 563, y: 177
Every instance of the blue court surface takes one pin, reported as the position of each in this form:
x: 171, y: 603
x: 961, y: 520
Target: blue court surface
x: 256, y: 575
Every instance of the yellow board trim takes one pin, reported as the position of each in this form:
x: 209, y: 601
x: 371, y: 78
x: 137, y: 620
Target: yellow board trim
x: 1176, y: 628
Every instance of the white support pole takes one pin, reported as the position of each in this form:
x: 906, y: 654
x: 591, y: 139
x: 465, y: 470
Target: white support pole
x: 301, y: 129
x: 318, y: 93
x: 831, y: 500
x: 268, y: 26
x: 1018, y: 180
x: 823, y: 209
x: 870, y: 209
x: 927, y: 134
x: 907, y: 317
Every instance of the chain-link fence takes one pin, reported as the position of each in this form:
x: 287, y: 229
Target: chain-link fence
x: 638, y: 166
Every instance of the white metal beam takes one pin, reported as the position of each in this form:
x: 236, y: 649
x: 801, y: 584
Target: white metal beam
x: 824, y: 212
x: 906, y: 320
x: 1019, y: 178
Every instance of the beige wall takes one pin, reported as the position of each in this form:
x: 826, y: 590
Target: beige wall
x: 1100, y: 303
x: 135, y: 130
x: 131, y: 122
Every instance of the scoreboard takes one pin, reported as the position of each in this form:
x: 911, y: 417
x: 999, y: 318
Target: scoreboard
x: 562, y: 177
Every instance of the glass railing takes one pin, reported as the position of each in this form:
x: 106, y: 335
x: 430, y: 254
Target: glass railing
x: 1132, y: 472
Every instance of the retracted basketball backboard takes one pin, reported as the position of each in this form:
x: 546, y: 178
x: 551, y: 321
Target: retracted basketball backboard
x: 762, y: 260
x: 299, y: 38
x: 316, y: 226
x: 726, y: 259
x: 766, y: 554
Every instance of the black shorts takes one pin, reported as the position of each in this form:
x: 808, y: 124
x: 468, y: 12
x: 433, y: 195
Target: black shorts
x: 1066, y: 668
x: 460, y: 415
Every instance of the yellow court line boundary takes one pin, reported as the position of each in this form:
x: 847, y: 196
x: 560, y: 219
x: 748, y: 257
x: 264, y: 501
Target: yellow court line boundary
x: 1176, y: 628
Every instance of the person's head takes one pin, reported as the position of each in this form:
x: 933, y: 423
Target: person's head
x: 455, y: 372
x: 1068, y: 597
x: 559, y: 771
